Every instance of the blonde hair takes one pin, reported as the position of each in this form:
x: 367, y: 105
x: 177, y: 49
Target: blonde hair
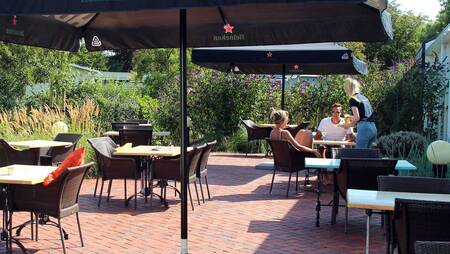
x: 351, y: 86
x: 279, y: 116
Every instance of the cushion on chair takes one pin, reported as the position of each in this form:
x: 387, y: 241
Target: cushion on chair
x: 74, y: 159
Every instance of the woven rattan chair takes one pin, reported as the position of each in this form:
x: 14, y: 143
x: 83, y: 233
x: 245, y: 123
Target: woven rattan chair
x: 423, y: 247
x: 286, y: 159
x: 9, y: 155
x: 165, y: 169
x: 56, y: 155
x: 58, y: 200
x: 416, y: 220
x: 360, y: 173
x: 202, y: 169
x: 254, y: 132
x: 135, y: 134
x: 112, y: 168
x: 116, y: 126
x: 409, y: 184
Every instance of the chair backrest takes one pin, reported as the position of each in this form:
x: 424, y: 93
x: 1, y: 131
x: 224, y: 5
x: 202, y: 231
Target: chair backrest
x: 355, y: 153
x: 248, y: 123
x: 416, y: 220
x: 285, y: 156
x: 9, y: 155
x: 254, y: 132
x: 194, y: 159
x: 103, y: 148
x: 204, y: 157
x: 139, y: 121
x: 137, y: 135
x: 432, y: 247
x: 119, y: 125
x: 59, y: 153
x: 362, y: 173
x: 414, y: 184
x: 71, y: 185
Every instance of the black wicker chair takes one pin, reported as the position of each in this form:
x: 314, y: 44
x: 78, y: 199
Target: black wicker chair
x: 254, y: 132
x: 9, y: 155
x: 360, y: 173
x: 202, y: 169
x: 287, y: 159
x: 112, y: 168
x: 139, y: 121
x: 432, y: 247
x: 59, y: 199
x: 116, y: 126
x: 409, y: 184
x: 355, y: 153
x: 135, y: 134
x: 56, y: 155
x: 165, y: 169
x: 417, y: 220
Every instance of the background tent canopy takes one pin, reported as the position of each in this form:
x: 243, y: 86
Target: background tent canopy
x: 314, y: 58
x: 136, y: 24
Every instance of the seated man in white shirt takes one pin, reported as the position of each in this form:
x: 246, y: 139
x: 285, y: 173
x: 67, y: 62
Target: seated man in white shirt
x: 328, y: 129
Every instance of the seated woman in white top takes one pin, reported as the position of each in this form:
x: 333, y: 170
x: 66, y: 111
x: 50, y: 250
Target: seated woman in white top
x: 303, y: 139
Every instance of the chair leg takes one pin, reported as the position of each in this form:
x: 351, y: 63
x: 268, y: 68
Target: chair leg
x: 196, y: 192
x: 201, y: 188
x: 273, y: 178
x: 37, y: 224
x: 296, y: 183
x: 207, y: 187
x: 346, y: 219
x: 125, y: 188
x: 289, y: 184
x: 109, y: 190
x: 100, y: 194
x: 96, y: 184
x: 190, y: 196
x: 62, y: 235
x: 135, y: 193
x: 79, y: 229
x: 248, y: 147
x: 175, y: 185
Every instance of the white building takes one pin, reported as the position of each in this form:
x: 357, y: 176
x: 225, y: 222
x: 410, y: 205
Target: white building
x: 438, y: 49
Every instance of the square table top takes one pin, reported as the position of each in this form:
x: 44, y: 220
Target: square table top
x: 333, y: 142
x: 24, y: 174
x: 271, y: 125
x: 149, y: 151
x: 385, y: 200
x: 154, y: 134
x: 28, y: 144
x: 334, y: 164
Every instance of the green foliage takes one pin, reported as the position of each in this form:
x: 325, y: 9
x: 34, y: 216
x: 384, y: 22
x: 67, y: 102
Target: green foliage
x: 409, y: 31
x: 93, y: 60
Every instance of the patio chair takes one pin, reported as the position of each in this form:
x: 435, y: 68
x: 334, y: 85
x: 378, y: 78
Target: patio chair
x: 139, y: 121
x: 286, y: 159
x: 254, y: 132
x: 432, y: 247
x: 165, y: 169
x: 409, y: 184
x: 9, y: 155
x: 355, y: 153
x: 359, y: 173
x: 116, y: 126
x: 135, y: 134
x: 112, y: 168
x: 202, y: 169
x: 58, y: 200
x: 56, y: 155
x: 417, y: 220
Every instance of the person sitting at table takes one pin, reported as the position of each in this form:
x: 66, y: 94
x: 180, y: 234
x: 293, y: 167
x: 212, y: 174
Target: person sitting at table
x: 302, y: 140
x: 329, y: 130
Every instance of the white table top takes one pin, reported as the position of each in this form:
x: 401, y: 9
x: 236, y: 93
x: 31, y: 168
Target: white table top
x: 24, y: 174
x: 333, y: 142
x: 385, y: 200
x: 334, y: 164
x: 38, y: 144
x: 149, y: 151
x: 154, y: 134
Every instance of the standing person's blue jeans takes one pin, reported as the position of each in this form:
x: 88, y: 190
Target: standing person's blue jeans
x: 367, y: 134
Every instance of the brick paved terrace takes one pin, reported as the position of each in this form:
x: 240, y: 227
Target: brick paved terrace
x: 241, y: 218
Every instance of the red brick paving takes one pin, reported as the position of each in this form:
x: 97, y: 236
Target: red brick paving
x: 241, y: 218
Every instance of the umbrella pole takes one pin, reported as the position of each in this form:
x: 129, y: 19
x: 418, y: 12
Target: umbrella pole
x: 184, y: 133
x: 283, y: 84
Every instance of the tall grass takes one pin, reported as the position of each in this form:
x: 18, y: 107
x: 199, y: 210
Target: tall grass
x: 36, y: 123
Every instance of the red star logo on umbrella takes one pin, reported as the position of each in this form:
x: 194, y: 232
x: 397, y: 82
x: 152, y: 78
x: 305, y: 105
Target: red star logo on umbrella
x: 296, y: 66
x: 228, y: 28
x: 14, y: 21
x: 269, y: 54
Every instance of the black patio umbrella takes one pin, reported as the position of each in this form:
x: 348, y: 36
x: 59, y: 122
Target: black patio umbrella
x: 296, y: 59
x: 136, y: 24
